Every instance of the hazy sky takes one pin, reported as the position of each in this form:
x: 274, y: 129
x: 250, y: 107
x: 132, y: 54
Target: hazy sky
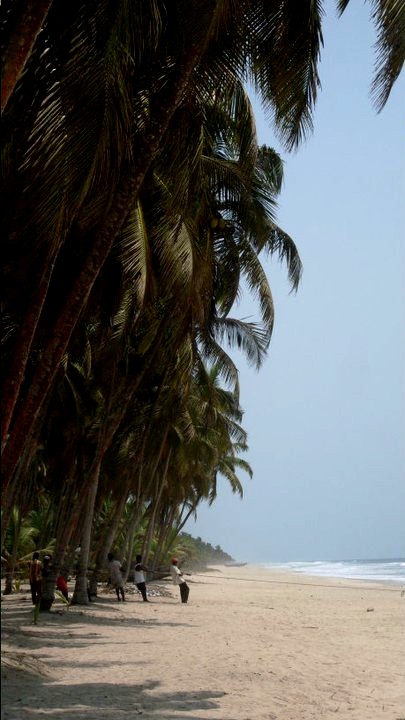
x: 326, y: 413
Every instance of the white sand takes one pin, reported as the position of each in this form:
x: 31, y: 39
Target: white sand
x: 251, y: 644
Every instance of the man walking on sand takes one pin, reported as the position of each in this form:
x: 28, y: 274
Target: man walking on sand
x: 178, y: 579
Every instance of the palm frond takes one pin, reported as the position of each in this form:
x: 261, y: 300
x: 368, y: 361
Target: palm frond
x: 388, y: 17
x: 215, y: 354
x: 249, y: 337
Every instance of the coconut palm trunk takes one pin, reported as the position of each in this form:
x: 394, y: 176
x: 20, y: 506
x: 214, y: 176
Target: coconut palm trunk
x: 107, y: 541
x: 68, y: 516
x: 164, y: 532
x: 28, y: 23
x: 128, y: 548
x: 122, y: 397
x: 7, y: 502
x: 131, y: 182
x: 205, y: 38
x: 22, y: 348
x: 161, y: 482
x: 11, y: 560
x: 80, y: 595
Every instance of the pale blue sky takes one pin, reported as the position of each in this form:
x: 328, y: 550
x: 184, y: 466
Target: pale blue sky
x: 326, y: 413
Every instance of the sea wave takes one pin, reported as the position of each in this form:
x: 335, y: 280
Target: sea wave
x: 389, y: 570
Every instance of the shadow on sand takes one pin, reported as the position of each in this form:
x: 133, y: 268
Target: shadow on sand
x: 103, y: 701
x: 26, y: 675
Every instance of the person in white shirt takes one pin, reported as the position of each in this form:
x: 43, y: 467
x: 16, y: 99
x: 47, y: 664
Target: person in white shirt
x: 178, y: 579
x: 140, y: 577
x: 115, y: 576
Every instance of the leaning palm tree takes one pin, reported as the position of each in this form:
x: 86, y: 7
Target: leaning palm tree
x: 19, y: 541
x: 78, y: 154
x: 205, y: 441
x: 89, y: 201
x: 174, y: 227
x: 277, y: 45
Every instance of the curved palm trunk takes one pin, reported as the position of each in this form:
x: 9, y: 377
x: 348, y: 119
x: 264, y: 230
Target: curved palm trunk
x: 156, y: 502
x: 126, y: 193
x: 24, y: 33
x: 164, y: 532
x: 8, y: 499
x: 69, y: 514
x: 142, y: 493
x: 107, y: 542
x: 22, y: 348
x: 12, y: 560
x: 171, y: 530
x: 80, y: 595
x: 129, y: 541
x: 183, y: 519
x: 150, y: 529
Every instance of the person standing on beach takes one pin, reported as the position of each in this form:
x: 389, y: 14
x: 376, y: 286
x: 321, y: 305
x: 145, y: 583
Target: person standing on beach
x: 116, y: 578
x: 62, y: 586
x: 178, y: 579
x: 35, y: 577
x: 140, y: 577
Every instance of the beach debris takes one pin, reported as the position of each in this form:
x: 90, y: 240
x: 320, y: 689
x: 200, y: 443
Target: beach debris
x: 151, y: 590
x: 25, y: 661
x: 370, y: 609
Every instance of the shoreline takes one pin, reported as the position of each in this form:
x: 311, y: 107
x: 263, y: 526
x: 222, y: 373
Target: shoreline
x: 396, y: 580
x: 251, y: 644
x: 306, y: 578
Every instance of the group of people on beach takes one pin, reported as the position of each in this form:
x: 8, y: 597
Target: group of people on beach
x: 117, y: 580
x: 39, y: 570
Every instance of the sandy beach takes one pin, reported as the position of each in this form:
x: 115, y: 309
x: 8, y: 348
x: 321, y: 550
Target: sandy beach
x: 251, y: 644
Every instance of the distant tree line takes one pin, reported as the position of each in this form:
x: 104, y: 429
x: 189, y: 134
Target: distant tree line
x: 197, y: 553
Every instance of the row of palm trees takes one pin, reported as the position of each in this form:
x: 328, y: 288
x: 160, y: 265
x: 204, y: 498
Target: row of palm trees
x: 137, y: 204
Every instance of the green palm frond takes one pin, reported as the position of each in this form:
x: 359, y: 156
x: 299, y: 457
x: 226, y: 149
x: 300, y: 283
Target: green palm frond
x: 284, y: 42
x: 388, y: 17
x: 281, y: 244
x: 135, y: 253
x: 249, y: 337
x: 214, y: 353
x: 259, y: 287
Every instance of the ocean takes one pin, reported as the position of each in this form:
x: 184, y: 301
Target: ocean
x: 388, y: 570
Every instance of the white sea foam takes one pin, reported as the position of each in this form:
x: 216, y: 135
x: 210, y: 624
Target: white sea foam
x: 380, y: 570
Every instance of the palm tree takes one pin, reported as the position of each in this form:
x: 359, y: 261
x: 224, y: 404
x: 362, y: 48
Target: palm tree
x: 94, y: 211
x: 150, y: 320
x: 20, y: 540
x: 105, y: 352
x: 204, y: 441
x: 136, y: 169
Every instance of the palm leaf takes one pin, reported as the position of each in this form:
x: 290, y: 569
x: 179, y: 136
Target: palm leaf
x: 388, y: 17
